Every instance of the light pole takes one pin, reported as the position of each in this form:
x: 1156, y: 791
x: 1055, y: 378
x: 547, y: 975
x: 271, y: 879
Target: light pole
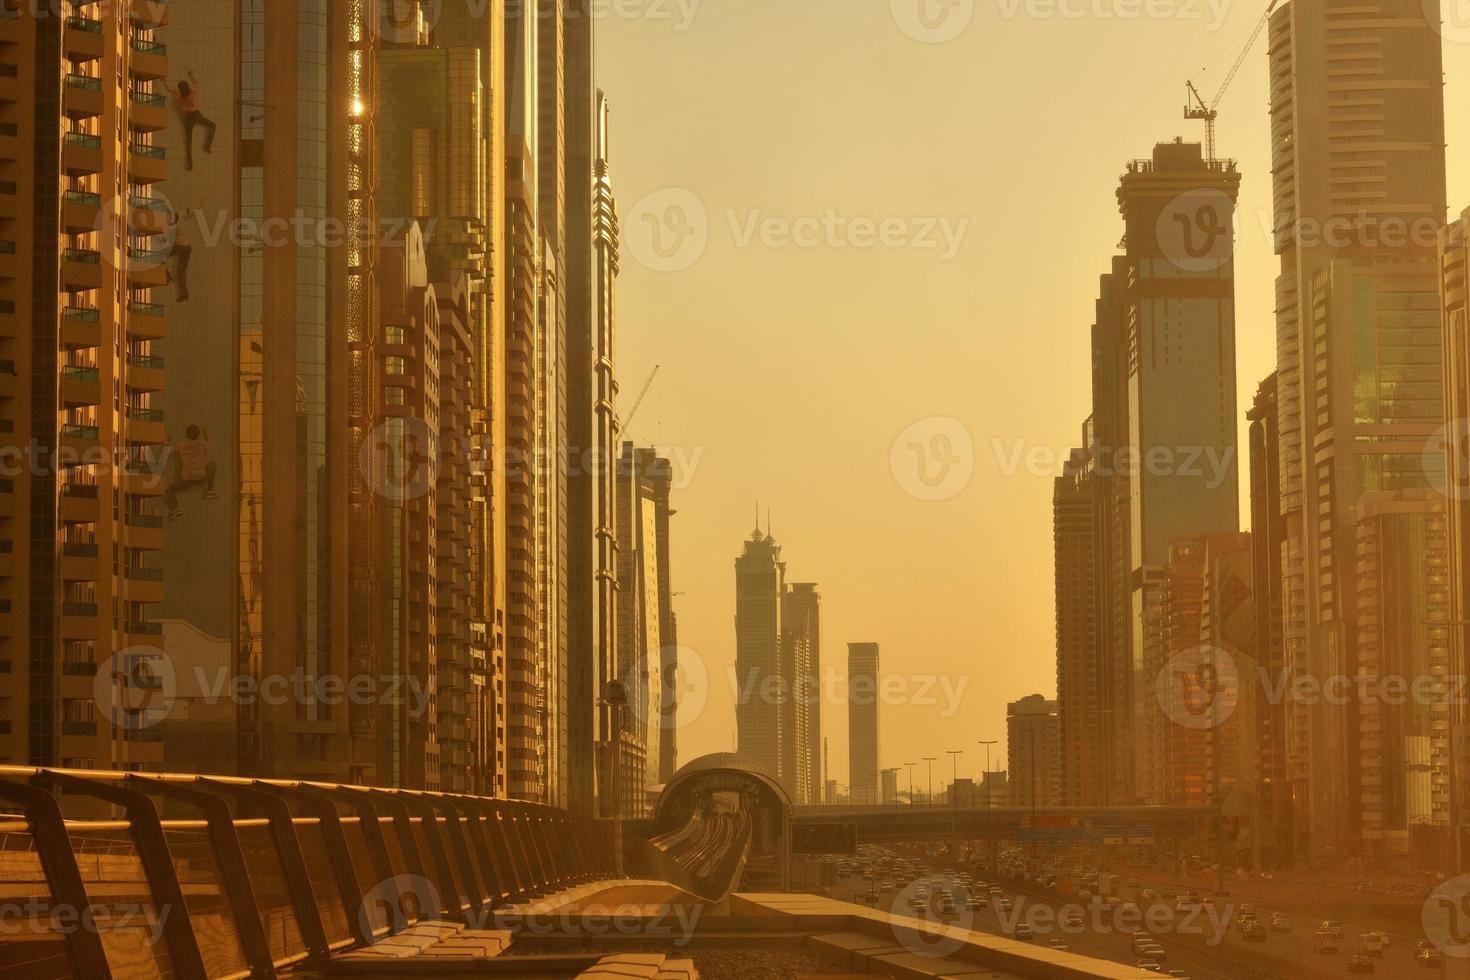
x: 985, y: 784
x: 911, y: 781
x: 954, y: 793
x: 931, y: 759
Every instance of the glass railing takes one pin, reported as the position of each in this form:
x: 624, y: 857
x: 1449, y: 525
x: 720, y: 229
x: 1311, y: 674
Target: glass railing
x: 80, y: 372
x: 82, y: 314
x: 86, y: 198
x: 149, y: 47
x: 146, y: 361
x: 145, y: 309
x: 148, y: 204
x: 149, y: 152
x: 149, y: 98
x: 86, y: 256
x: 79, y: 549
x: 146, y: 574
x: 146, y: 256
x: 79, y: 431
x: 146, y: 414
x: 7, y: 248
x: 84, y: 82
x: 145, y: 520
x: 145, y: 629
x: 81, y: 491
x: 84, y: 24
x: 85, y: 140
x: 79, y: 608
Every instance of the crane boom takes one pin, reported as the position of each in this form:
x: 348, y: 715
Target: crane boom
x: 638, y: 402
x: 1196, y: 107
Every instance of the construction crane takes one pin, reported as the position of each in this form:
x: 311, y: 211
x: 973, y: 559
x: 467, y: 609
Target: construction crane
x: 638, y: 402
x: 1195, y: 106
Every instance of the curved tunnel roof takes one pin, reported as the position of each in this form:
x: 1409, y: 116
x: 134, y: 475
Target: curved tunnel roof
x: 730, y: 763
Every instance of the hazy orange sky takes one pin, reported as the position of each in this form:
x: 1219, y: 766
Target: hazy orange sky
x: 794, y: 354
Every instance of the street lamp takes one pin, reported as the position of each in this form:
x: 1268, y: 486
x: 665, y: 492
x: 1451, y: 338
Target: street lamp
x: 931, y: 760
x: 911, y: 781
x: 985, y: 784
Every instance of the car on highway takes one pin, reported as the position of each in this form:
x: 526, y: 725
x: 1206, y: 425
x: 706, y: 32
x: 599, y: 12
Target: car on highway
x: 1150, y: 966
x: 1072, y: 919
x: 1361, y: 963
x: 1428, y: 955
x: 1254, y: 932
x: 973, y: 903
x: 1325, y: 942
x: 1024, y: 933
x: 1372, y: 944
x: 1280, y: 923
x: 1333, y: 926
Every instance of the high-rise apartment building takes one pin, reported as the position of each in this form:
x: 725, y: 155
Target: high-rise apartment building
x: 1227, y: 624
x: 1080, y: 676
x: 1179, y: 211
x: 1454, y: 262
x: 801, y: 626
x: 83, y: 242
x: 1403, y: 675
x: 1034, y: 747
x: 760, y: 584
x: 1267, y: 530
x: 271, y: 571
x: 1358, y: 168
x: 864, y: 743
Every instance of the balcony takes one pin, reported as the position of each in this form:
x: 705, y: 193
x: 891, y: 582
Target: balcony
x: 79, y: 728
x: 144, y: 634
x: 81, y: 327
x: 145, y: 321
x: 140, y: 481
x: 145, y: 372
x: 9, y: 263
x: 84, y: 39
x: 145, y: 426
x: 9, y: 323
x: 145, y: 584
x: 10, y: 148
x: 150, y: 59
x: 83, y: 97
x: 80, y: 503
x: 79, y: 621
x: 81, y: 211
x: 80, y: 385
x: 10, y: 85
x: 147, y: 164
x: 145, y: 531
x: 146, y: 215
x: 80, y: 441
x: 148, y: 13
x: 10, y: 202
x: 81, y: 154
x: 149, y: 112
x: 9, y: 381
x: 9, y: 505
x: 80, y: 562
x: 146, y: 268
x: 81, y: 269
x: 7, y: 558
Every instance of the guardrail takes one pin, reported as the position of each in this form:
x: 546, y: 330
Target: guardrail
x: 244, y: 877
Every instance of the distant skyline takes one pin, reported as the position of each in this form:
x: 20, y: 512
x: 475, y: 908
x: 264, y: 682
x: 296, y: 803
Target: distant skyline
x: 788, y: 371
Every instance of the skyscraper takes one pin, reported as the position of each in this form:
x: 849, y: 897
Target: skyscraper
x: 864, y: 744
x: 83, y: 223
x: 1033, y: 748
x: 1179, y: 213
x: 1454, y: 256
x: 760, y: 584
x: 1080, y: 677
x: 1357, y: 111
x: 801, y: 621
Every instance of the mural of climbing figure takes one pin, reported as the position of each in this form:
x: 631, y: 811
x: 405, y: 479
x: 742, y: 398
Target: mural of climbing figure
x: 195, y: 469
x: 186, y: 99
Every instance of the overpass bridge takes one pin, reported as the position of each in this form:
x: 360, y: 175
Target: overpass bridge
x: 1083, y: 825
